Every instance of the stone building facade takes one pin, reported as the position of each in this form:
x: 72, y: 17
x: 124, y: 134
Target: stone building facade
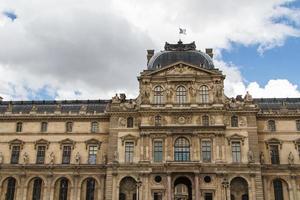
x: 180, y: 139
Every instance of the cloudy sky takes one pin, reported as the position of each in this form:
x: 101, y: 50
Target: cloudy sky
x: 79, y: 49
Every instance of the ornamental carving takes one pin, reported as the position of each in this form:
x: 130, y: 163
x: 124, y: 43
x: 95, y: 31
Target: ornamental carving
x: 236, y: 137
x: 122, y: 122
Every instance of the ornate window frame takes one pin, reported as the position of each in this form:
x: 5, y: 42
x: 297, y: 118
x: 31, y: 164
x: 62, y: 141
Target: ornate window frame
x: 129, y: 138
x: 67, y: 142
x: 93, y: 142
x: 41, y: 142
x: 273, y: 141
x: 16, y: 142
x: 236, y: 138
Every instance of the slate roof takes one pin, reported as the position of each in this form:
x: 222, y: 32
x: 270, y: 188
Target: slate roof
x: 278, y: 103
x: 68, y: 106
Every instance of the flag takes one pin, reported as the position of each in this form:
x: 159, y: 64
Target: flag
x: 182, y: 31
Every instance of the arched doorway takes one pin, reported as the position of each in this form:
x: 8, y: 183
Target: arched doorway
x: 182, y: 189
x: 35, y: 189
x: 62, y: 189
x: 279, y: 189
x: 239, y: 189
x: 127, y: 189
x: 89, y: 189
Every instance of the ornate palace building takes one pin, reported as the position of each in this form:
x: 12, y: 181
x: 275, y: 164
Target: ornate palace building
x: 180, y: 139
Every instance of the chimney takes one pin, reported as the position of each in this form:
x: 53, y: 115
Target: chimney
x: 209, y: 52
x: 150, y: 53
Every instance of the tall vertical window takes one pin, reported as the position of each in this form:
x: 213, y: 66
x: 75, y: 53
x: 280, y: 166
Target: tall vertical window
x: 63, y: 189
x: 234, y: 121
x: 157, y: 120
x: 129, y: 122
x: 69, y: 126
x: 204, y: 98
x: 15, y: 154
x: 205, y: 120
x: 158, y: 95
x: 271, y: 125
x: 278, y: 190
x: 94, y: 127
x: 181, y: 95
x: 44, y: 127
x: 93, y: 154
x: 129, y: 152
x: 66, y: 157
x: 19, y: 127
x: 182, y: 149
x: 90, y: 189
x: 236, y: 151
x: 158, y: 151
x: 40, y: 156
x: 37, y: 189
x: 206, y: 151
x: 274, y: 153
x: 298, y: 125
x: 11, y: 187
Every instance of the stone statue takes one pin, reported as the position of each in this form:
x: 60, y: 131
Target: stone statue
x: 77, y: 158
x: 25, y: 158
x: 145, y: 94
x: 291, y: 158
x: 248, y: 97
x: 116, y: 156
x: 192, y: 90
x: 262, y: 158
x: 52, y: 158
x: 250, y: 156
x: 116, y: 99
x: 1, y: 158
x: 169, y: 93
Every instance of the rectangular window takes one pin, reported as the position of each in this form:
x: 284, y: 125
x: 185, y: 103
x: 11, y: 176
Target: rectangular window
x: 93, y: 154
x: 95, y: 127
x: 15, y: 154
x: 129, y: 152
x: 69, y: 126
x: 208, y: 196
x: 19, y: 127
x: 274, y: 154
x: 236, y: 151
x: 157, y: 196
x: 40, y: 156
x: 66, y: 155
x: 44, y: 127
x: 158, y: 151
x: 206, y: 151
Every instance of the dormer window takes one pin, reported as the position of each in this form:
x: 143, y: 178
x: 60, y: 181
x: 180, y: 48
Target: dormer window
x: 19, y: 127
x: 204, y: 98
x: 181, y: 95
x: 271, y: 125
x: 158, y: 95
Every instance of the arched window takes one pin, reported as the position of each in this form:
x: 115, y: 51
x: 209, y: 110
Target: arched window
x: 94, y: 127
x: 130, y: 122
x: 182, y: 149
x: 37, y: 189
x: 90, y: 189
x: 158, y: 95
x: 271, y: 125
x: 63, y: 189
x: 157, y: 120
x: 19, y: 127
x: 11, y: 187
x: 234, y: 121
x: 204, y: 98
x: 181, y: 95
x: 278, y: 190
x: 205, y: 120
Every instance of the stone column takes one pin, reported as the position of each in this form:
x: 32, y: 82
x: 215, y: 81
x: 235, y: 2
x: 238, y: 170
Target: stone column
x: 252, y: 191
x: 197, y: 197
x: 169, y: 189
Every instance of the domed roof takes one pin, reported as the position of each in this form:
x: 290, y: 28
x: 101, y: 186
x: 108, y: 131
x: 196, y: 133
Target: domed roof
x: 180, y: 52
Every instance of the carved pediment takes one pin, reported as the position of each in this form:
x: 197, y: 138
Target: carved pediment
x: 92, y: 142
x: 273, y: 141
x: 181, y: 68
x: 236, y: 137
x: 129, y: 137
x: 41, y: 142
x: 16, y: 142
x: 67, y: 142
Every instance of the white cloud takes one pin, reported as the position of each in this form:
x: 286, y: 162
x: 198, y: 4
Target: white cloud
x: 97, y: 48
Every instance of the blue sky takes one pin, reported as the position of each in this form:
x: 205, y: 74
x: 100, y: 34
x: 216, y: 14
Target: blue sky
x: 94, y: 49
